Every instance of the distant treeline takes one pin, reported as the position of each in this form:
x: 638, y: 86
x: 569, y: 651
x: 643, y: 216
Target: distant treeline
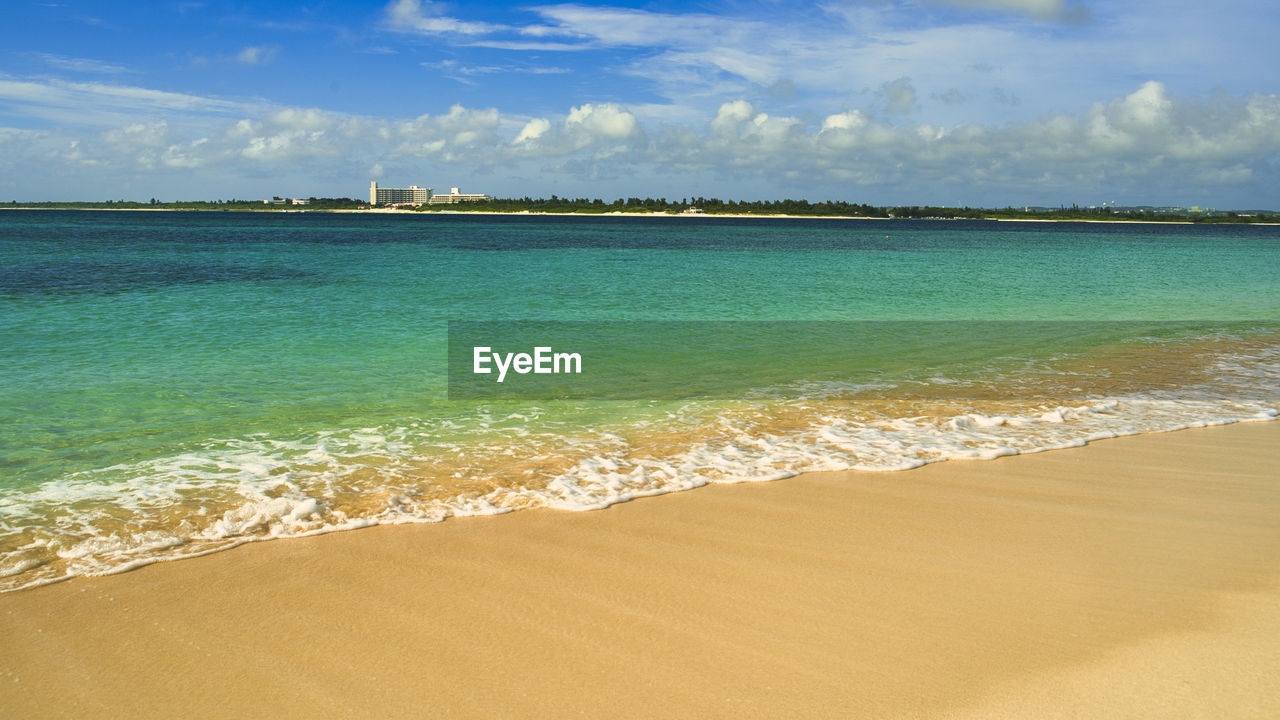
x: 709, y: 206
x: 1109, y: 213
x: 662, y: 205
x: 834, y: 208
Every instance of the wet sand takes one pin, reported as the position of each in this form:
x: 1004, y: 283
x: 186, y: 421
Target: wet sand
x: 1137, y: 577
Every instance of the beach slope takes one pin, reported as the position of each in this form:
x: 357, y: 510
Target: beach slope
x: 1137, y: 577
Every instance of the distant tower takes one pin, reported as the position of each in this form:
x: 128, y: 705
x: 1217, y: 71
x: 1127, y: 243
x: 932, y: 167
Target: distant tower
x: 373, y: 192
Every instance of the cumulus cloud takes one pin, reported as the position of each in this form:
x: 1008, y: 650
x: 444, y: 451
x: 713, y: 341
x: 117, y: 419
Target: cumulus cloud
x: 818, y: 57
x: 608, y: 121
x: 589, y: 134
x: 533, y: 130
x: 739, y: 126
x: 292, y: 135
x: 730, y: 117
x: 461, y: 135
x: 1147, y: 141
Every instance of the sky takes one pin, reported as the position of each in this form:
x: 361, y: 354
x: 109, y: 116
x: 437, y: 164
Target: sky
x: 946, y: 102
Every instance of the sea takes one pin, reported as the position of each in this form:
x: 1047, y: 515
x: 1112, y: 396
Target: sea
x: 178, y: 383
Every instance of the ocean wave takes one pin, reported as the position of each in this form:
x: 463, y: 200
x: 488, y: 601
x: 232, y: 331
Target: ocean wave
x: 229, y: 492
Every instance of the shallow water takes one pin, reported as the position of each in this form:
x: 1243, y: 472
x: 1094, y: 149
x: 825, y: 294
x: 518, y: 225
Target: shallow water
x: 176, y: 383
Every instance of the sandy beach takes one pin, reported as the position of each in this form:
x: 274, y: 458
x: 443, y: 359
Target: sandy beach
x: 1135, y: 577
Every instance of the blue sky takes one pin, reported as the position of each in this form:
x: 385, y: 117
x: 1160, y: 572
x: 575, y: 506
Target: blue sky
x: 978, y: 102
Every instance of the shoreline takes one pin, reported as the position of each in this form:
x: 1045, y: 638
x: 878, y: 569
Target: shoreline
x: 778, y: 216
x: 1059, y: 582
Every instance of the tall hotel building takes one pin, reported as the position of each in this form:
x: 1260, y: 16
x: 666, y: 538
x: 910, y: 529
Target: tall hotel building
x: 412, y: 195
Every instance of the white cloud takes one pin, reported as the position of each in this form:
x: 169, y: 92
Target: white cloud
x: 610, y: 26
x: 256, y: 55
x: 730, y: 117
x: 533, y: 130
x: 74, y: 103
x: 1146, y: 109
x: 419, y: 17
x: 81, y: 65
x: 692, y: 45
x: 1148, y: 142
x: 607, y: 121
x: 464, y: 73
x: 963, y: 66
x: 812, y: 57
x: 528, y: 46
x: 590, y: 133
x: 1058, y: 10
x: 461, y: 135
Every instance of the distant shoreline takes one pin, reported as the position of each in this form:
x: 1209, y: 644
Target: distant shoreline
x: 779, y: 216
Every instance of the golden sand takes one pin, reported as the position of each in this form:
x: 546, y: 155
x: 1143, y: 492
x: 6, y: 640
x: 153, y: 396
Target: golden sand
x: 1137, y: 577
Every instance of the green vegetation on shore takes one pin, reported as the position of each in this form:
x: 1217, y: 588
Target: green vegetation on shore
x: 708, y: 206
x: 831, y: 208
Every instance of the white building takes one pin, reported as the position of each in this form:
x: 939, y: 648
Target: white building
x: 456, y: 197
x: 412, y: 195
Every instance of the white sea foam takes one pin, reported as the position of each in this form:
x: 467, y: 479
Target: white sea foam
x: 254, y: 488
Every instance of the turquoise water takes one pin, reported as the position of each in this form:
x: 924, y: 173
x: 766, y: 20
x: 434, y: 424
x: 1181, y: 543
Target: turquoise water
x: 177, y: 382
